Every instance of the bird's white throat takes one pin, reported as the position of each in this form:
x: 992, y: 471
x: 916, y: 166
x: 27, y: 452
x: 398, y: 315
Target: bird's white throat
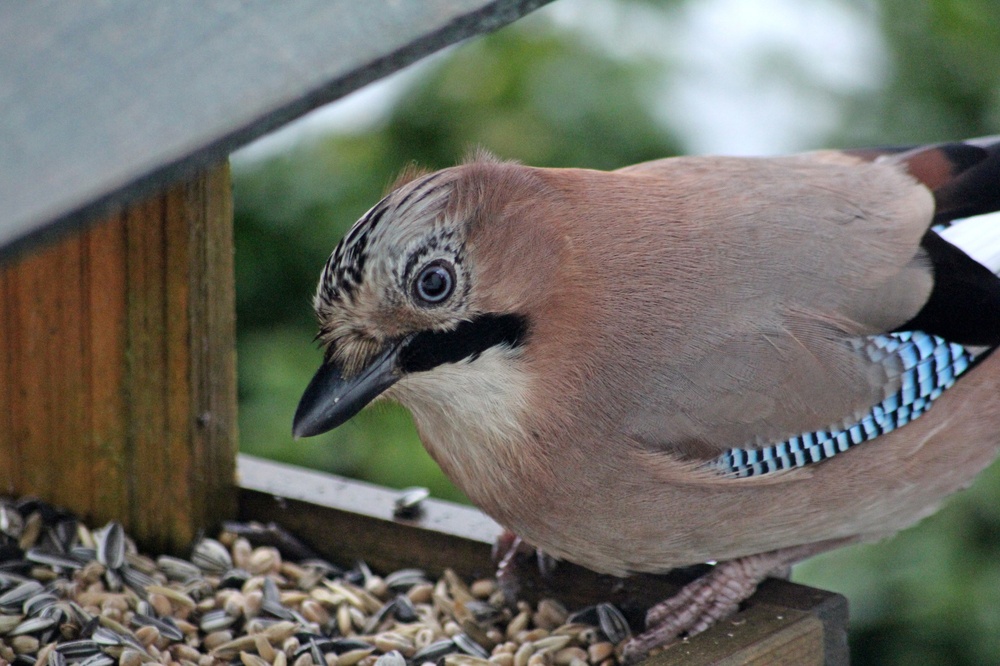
x: 470, y: 412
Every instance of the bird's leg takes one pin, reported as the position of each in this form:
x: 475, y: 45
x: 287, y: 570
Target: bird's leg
x: 506, y: 552
x: 714, y: 596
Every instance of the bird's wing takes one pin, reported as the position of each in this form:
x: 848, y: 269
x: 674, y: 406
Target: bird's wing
x: 794, y: 335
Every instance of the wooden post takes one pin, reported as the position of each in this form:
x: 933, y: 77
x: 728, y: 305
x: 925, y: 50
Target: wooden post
x: 117, y: 367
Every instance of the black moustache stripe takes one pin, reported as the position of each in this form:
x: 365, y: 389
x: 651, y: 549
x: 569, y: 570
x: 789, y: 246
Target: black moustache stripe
x: 430, y: 349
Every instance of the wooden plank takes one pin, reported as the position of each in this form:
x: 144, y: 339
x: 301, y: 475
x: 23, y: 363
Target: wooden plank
x: 118, y: 373
x: 762, y: 635
x: 346, y: 520
x: 105, y: 102
x: 830, y: 609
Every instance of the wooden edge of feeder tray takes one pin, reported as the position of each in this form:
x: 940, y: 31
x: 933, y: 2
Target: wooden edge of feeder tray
x: 345, y: 520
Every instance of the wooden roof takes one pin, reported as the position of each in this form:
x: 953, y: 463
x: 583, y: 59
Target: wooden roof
x: 101, y: 102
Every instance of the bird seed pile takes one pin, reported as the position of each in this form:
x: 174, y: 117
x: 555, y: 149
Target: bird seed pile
x: 74, y: 596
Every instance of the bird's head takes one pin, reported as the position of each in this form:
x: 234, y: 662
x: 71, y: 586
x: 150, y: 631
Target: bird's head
x: 408, y: 289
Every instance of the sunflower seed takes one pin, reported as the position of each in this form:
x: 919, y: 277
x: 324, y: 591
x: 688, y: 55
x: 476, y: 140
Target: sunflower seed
x: 98, y: 659
x: 391, y: 658
x: 11, y: 522
x: 105, y: 636
x: 112, y: 580
x: 38, y: 603
x: 137, y: 580
x: 13, y: 599
x: 77, y: 614
x: 342, y: 645
x: 9, y: 580
x: 587, y: 615
x: 307, y: 637
x: 111, y: 545
x: 211, y: 557
x: 405, y: 611
x: 279, y: 611
x: 613, y: 623
x: 409, y: 504
x: 177, y: 569
x: 469, y: 646
x: 78, y: 649
x: 59, y: 611
x: 215, y: 621
x: 56, y: 658
x: 434, y: 651
x: 33, y: 626
x: 481, y: 611
x: 65, y: 534
x: 166, y: 626
x: 271, y: 591
x: 380, y: 616
x: 83, y: 554
x: 54, y: 560
x: 89, y: 627
x: 316, y: 653
x: 404, y: 579
x: 234, y: 578
x: 321, y: 567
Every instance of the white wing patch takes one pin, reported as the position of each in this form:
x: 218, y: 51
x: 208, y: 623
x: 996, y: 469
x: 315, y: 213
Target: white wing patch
x: 978, y: 237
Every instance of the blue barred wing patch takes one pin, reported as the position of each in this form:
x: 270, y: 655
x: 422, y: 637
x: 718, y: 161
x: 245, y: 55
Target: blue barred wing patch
x: 930, y: 364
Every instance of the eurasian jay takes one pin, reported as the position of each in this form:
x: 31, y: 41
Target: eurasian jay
x: 745, y: 360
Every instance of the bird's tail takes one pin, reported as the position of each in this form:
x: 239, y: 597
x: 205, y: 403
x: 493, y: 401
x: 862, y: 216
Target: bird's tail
x: 964, y: 175
x: 965, y: 179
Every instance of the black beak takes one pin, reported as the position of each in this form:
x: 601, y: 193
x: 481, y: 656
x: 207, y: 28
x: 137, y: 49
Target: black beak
x: 330, y: 399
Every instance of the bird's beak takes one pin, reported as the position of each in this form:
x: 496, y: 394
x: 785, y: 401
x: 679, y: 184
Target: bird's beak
x: 330, y: 399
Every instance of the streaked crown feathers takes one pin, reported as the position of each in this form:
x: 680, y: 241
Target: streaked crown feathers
x: 365, y: 277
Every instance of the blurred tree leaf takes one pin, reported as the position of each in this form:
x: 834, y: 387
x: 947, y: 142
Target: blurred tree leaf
x: 945, y: 75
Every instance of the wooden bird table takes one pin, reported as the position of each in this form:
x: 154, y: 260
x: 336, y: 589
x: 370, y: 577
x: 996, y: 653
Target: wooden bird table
x: 117, y: 362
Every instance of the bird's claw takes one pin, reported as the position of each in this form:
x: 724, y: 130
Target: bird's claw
x: 715, y: 596
x: 507, y: 552
x: 694, y: 609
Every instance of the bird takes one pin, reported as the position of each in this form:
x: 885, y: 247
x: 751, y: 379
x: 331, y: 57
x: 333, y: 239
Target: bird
x: 738, y: 360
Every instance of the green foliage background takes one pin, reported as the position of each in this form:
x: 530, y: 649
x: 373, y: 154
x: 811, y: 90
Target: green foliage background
x: 549, y: 96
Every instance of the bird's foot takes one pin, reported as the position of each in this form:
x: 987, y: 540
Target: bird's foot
x: 509, y: 553
x: 714, y: 596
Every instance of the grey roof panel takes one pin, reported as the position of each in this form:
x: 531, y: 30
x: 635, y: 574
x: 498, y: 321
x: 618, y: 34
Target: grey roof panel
x: 107, y: 99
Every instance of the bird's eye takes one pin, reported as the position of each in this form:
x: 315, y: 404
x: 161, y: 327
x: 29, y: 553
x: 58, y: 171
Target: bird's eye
x: 434, y: 283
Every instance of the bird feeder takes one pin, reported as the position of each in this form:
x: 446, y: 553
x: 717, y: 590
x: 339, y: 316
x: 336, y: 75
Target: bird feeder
x: 117, y: 331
